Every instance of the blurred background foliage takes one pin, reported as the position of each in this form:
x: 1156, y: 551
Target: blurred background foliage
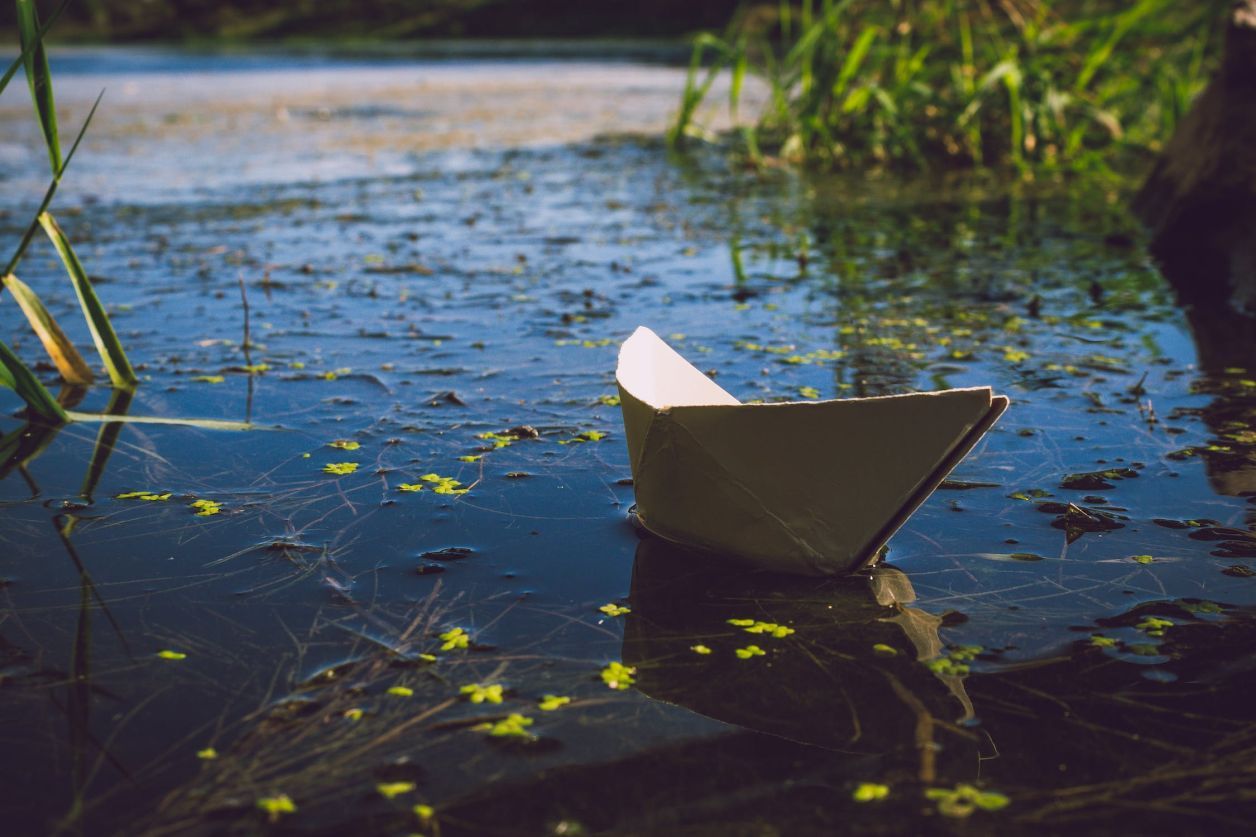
x: 281, y: 19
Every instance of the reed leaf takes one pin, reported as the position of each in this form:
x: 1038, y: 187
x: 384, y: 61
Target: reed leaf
x: 39, y: 78
x: 21, y: 58
x: 68, y: 361
x: 15, y: 376
x: 51, y: 191
x: 203, y: 424
x: 107, y: 344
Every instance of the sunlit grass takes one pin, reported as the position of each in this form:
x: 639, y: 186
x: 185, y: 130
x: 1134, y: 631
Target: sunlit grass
x: 1032, y: 84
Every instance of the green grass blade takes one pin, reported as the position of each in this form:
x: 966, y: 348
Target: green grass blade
x: 17, y: 377
x: 203, y: 424
x: 106, y: 339
x: 854, y: 59
x: 52, y: 190
x: 68, y: 361
x: 21, y: 57
x: 39, y: 78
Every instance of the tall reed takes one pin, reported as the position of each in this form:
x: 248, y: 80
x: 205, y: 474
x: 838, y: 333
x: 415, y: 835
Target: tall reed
x: 1031, y: 84
x: 33, y: 59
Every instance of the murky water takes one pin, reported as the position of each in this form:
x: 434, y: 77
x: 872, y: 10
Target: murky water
x: 439, y: 261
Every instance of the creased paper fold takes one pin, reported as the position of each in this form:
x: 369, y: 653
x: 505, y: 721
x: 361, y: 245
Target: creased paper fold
x: 811, y: 487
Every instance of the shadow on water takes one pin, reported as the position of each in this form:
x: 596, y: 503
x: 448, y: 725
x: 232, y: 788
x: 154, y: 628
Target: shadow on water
x: 854, y: 691
x: 830, y: 651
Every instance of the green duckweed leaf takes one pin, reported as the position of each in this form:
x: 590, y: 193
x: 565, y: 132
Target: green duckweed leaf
x: 870, y: 792
x: 455, y: 638
x: 276, y: 806
x: 549, y: 703
x: 483, y: 693
x: 391, y: 790
x: 616, y: 675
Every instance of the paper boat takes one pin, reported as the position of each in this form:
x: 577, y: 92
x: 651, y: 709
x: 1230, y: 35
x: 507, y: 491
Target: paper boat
x: 810, y: 487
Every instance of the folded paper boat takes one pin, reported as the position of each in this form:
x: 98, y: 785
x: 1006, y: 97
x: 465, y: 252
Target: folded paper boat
x: 809, y: 487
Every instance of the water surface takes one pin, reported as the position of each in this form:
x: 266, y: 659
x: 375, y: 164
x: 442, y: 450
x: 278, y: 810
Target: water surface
x: 439, y: 261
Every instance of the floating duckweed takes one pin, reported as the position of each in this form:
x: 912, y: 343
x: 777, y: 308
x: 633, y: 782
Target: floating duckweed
x: 618, y: 676
x: 749, y: 651
x: 208, y: 754
x: 353, y: 714
x: 148, y: 496
x: 410, y: 486
x: 883, y: 650
x: 400, y: 691
x: 209, y: 379
x: 167, y: 654
x: 1201, y: 607
x: 965, y: 799
x: 480, y: 693
x: 584, y: 436
x: 1142, y: 559
x: 608, y: 400
x: 1154, y: 625
x: 754, y: 626
x: 771, y: 628
x: 471, y: 457
x: 499, y: 440
x: 340, y: 468
x: 551, y: 702
x: 390, y: 790
x: 276, y: 806
x: 613, y: 609
x: 428, y: 658
x: 344, y: 444
x: 699, y: 649
x: 206, y: 508
x: 1015, y: 355
x: 1101, y: 641
x: 512, y: 726
x: 808, y: 392
x: 424, y: 812
x: 455, y: 638
x: 444, y: 485
x: 256, y: 368
x: 947, y: 667
x: 333, y: 374
x: 870, y: 792
x: 955, y: 661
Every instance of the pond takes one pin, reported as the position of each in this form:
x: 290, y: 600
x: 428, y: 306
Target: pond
x: 412, y: 599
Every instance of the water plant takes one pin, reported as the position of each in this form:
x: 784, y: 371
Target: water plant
x: 71, y: 368
x: 70, y: 365
x: 1031, y: 84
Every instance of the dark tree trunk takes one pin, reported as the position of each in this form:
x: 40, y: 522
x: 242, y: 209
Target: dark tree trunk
x: 1200, y: 198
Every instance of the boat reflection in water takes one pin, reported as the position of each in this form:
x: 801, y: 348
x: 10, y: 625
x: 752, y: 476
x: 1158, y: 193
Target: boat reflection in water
x: 841, y: 663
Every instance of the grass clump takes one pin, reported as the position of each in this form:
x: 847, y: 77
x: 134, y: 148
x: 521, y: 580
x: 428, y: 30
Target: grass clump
x: 1024, y: 83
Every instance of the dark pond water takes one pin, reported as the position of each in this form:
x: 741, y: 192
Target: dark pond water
x: 1065, y: 626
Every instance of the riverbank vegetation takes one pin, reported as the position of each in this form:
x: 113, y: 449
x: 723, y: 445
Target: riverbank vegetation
x: 1032, y: 84
x: 184, y: 20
